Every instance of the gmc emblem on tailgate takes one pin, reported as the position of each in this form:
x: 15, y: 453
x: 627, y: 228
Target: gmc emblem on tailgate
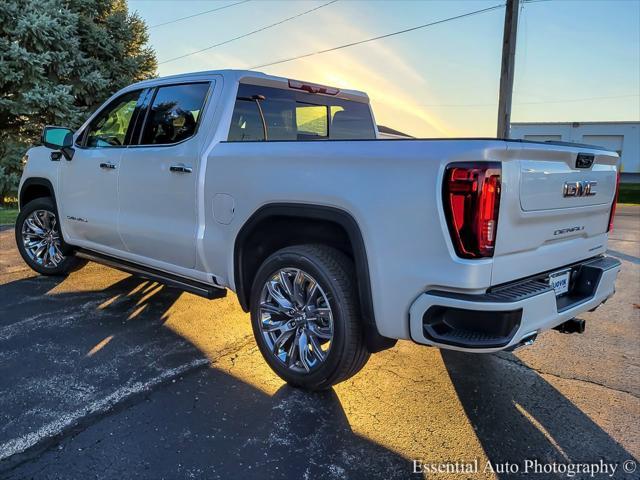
x: 584, y: 188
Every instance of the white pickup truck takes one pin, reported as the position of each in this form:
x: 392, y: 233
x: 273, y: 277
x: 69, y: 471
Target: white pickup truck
x: 336, y: 241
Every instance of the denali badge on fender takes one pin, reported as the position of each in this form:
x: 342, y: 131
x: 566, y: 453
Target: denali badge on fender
x: 584, y: 188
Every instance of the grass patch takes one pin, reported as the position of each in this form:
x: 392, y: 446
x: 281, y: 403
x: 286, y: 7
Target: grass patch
x: 629, y: 193
x: 8, y: 215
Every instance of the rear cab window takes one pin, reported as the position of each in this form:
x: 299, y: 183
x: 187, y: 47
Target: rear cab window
x: 311, y: 121
x: 269, y: 114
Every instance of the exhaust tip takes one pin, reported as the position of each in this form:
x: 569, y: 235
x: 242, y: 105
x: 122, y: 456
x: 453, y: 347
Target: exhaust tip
x: 575, y: 325
x: 525, y: 342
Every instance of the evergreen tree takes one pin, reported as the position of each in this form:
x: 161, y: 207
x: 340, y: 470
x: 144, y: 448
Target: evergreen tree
x: 59, y: 60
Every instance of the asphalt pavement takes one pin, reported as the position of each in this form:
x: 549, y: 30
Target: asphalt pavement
x: 103, y: 375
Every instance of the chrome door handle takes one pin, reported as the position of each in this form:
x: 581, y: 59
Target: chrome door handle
x: 108, y: 166
x: 180, y: 168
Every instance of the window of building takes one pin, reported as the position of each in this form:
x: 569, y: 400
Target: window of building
x: 543, y: 138
x: 610, y: 142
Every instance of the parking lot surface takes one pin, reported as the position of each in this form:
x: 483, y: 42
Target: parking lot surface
x: 104, y: 375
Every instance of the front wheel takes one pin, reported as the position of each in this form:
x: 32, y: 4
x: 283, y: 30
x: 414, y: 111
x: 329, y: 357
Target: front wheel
x: 40, y: 241
x: 305, y: 316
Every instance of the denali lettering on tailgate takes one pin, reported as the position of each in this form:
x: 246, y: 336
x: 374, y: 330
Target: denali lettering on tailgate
x: 562, y: 231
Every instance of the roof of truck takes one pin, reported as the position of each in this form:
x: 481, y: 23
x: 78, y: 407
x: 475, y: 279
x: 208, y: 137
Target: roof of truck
x: 249, y: 76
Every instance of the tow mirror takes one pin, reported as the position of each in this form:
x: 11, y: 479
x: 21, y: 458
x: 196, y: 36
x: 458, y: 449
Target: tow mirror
x: 58, y: 138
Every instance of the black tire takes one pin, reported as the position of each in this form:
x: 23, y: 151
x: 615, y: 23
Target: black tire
x: 335, y: 274
x: 69, y: 263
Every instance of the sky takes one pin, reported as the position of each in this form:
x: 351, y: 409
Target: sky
x: 576, y: 60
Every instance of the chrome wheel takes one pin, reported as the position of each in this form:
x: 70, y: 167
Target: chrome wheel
x: 41, y: 238
x: 296, y: 320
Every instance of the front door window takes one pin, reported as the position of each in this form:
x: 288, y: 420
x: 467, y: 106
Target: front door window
x: 112, y: 124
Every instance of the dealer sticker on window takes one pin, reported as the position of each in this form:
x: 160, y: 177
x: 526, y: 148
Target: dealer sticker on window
x: 559, y: 281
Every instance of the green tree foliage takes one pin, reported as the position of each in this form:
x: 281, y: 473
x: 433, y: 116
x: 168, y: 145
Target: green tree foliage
x: 59, y: 60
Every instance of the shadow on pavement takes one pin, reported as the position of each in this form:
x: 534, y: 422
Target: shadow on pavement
x: 507, y: 402
x: 623, y: 256
x: 211, y: 425
x: 62, y: 354
x: 48, y: 345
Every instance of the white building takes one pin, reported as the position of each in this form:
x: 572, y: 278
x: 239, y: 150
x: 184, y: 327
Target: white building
x: 622, y: 137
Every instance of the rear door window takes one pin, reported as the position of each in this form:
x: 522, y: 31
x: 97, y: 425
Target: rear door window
x: 174, y: 114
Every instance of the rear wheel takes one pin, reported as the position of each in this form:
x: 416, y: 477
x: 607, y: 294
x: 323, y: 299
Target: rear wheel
x: 305, y: 316
x: 40, y: 241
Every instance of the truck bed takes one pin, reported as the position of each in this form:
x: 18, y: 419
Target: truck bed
x: 393, y: 190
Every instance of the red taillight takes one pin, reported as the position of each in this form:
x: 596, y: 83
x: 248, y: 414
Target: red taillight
x: 612, y: 214
x: 471, y: 196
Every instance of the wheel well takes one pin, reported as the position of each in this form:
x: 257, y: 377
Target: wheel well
x: 273, y: 233
x: 277, y: 226
x: 35, y: 188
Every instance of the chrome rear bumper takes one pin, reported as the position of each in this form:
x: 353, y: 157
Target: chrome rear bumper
x: 505, y: 315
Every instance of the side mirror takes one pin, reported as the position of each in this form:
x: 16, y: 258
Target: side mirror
x: 59, y: 138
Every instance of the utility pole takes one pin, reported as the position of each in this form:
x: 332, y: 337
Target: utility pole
x: 508, y: 66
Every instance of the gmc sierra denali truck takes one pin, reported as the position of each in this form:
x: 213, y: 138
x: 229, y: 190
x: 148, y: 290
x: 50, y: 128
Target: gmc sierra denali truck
x: 337, y: 242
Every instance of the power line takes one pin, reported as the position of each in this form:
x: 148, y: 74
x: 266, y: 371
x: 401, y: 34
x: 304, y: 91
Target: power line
x: 544, y: 102
x: 198, y: 14
x: 249, y: 33
x: 380, y: 37
x: 577, y: 99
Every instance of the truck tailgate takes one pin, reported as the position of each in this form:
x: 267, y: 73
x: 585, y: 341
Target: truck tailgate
x: 554, y: 209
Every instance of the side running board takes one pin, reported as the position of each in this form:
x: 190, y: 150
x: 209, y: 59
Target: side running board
x: 188, y: 285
